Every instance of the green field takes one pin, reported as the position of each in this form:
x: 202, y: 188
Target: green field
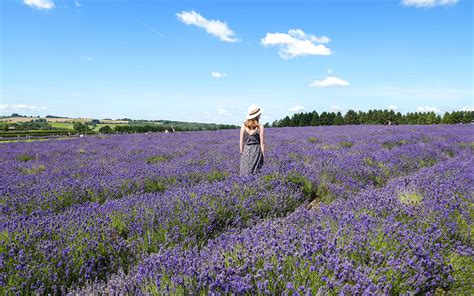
x: 67, y: 125
x: 61, y: 125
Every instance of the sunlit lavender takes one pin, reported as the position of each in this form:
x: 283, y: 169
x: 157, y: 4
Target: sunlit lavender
x: 342, y: 210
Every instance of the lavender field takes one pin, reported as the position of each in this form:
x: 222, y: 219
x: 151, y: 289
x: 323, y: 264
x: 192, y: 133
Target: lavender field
x: 382, y: 210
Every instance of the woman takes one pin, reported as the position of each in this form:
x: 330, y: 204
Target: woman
x: 252, y: 144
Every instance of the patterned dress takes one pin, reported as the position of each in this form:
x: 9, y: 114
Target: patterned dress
x: 251, y: 159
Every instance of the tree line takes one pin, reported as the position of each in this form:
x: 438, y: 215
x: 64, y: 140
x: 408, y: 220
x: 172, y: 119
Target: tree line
x: 126, y: 129
x: 163, y: 128
x: 36, y: 124
x: 388, y: 117
x: 134, y: 126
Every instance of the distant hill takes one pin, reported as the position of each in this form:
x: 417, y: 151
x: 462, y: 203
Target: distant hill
x: 50, y: 118
x: 125, y: 125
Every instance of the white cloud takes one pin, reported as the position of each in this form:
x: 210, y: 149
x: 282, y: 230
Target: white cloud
x: 467, y: 108
x: 39, y: 4
x: 296, y: 43
x: 428, y: 3
x: 298, y: 108
x: 21, y: 107
x: 329, y: 81
x: 447, y: 2
x: 298, y: 33
x: 336, y: 108
x: 392, y: 107
x: 218, y: 74
x: 214, y: 27
x: 428, y: 109
x: 77, y: 3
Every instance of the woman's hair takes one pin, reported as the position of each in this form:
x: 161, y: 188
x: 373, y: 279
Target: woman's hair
x: 252, y: 123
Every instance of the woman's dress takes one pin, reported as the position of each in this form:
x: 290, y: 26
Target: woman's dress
x: 251, y: 159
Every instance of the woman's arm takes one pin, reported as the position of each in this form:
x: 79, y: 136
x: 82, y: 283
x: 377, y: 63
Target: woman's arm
x: 241, y: 144
x: 262, y: 139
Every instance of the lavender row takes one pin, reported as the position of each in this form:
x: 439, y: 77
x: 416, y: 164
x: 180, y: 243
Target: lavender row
x: 411, y: 237
x: 48, y: 254
x: 52, y: 176
x: 46, y: 251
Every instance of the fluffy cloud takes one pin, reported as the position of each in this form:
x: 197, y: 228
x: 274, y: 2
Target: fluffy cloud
x: 298, y: 108
x: 39, y: 4
x: 20, y: 107
x: 428, y: 3
x: 218, y: 74
x: 329, y: 81
x: 428, y: 109
x: 213, y: 27
x: 296, y: 43
x: 467, y: 108
x: 392, y: 107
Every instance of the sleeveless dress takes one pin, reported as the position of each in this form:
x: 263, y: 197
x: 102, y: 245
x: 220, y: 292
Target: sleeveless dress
x: 251, y: 159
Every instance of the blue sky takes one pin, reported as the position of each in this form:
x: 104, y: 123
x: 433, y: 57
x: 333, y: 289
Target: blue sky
x: 207, y: 61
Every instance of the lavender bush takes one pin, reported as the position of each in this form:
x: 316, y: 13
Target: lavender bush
x: 168, y: 213
x: 375, y: 243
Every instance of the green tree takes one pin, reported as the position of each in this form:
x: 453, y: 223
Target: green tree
x: 430, y: 118
x: 4, y: 126
x: 338, y: 120
x: 105, y: 129
x: 80, y: 127
x: 315, y: 119
x: 351, y: 117
x: 331, y: 117
x: 286, y: 121
x: 95, y: 122
x: 303, y: 119
x: 324, y: 118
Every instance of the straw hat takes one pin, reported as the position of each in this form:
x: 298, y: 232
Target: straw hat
x: 253, y: 112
